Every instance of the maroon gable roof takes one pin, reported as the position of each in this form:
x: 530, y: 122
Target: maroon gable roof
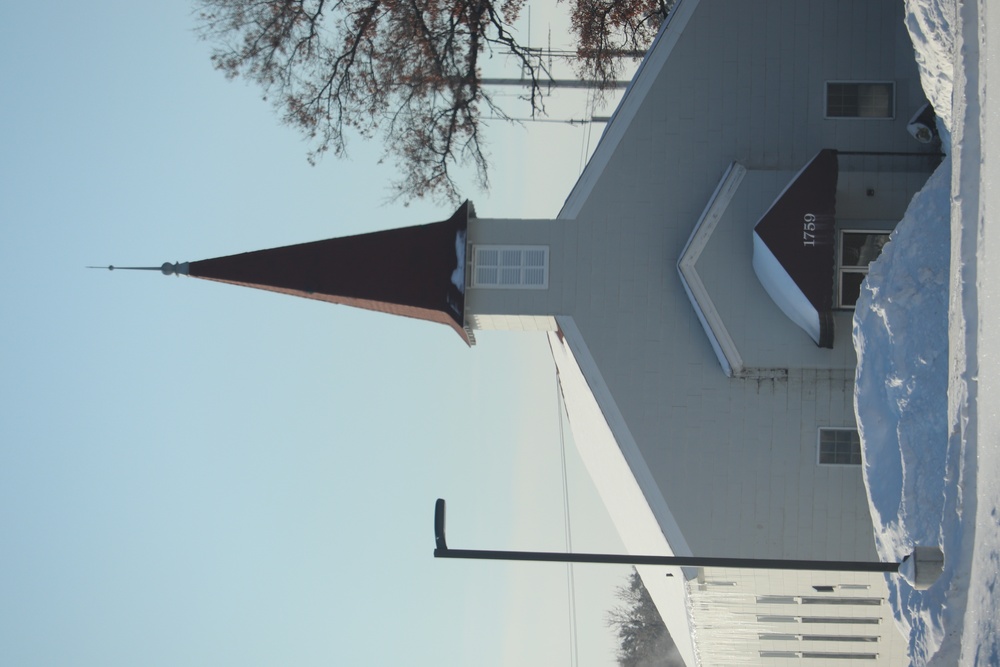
x: 798, y: 230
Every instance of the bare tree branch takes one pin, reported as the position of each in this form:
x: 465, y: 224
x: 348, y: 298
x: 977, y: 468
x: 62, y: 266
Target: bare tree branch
x: 406, y: 70
x: 607, y: 30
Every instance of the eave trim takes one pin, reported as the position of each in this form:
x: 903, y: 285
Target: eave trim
x: 635, y: 95
x: 711, y: 321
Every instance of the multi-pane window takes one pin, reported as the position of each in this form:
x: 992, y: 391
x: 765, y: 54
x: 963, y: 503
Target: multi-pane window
x: 777, y: 636
x: 867, y: 602
x: 856, y: 99
x: 839, y: 446
x: 857, y: 250
x: 524, y: 267
x: 821, y: 655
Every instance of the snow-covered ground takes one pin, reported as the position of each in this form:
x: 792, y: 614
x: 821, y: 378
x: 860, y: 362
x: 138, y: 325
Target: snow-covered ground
x: 929, y: 366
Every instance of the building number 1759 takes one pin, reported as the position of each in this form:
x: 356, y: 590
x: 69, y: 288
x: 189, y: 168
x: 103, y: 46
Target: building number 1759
x: 809, y: 229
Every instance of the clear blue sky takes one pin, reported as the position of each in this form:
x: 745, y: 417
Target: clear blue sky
x: 197, y: 474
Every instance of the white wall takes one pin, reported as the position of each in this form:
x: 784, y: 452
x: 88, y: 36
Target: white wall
x: 735, y: 459
x: 743, y: 617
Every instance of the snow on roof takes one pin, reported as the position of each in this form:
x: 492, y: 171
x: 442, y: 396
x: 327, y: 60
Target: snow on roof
x: 623, y: 480
x: 609, y: 452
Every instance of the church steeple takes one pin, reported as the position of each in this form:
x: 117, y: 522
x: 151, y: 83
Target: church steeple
x: 411, y: 271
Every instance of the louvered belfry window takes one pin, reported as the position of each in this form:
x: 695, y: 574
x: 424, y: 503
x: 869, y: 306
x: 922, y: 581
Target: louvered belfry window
x: 511, y: 267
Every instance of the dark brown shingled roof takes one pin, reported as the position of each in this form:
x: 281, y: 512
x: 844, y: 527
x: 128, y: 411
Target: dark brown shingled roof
x: 407, y: 271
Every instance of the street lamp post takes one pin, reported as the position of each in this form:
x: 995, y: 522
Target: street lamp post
x: 927, y: 562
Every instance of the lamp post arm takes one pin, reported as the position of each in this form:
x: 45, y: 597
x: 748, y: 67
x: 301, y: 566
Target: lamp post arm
x: 441, y: 550
x: 679, y: 561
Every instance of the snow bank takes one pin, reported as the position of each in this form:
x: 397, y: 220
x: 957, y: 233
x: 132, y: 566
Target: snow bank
x: 901, y: 399
x: 928, y: 438
x: 932, y: 25
x: 901, y: 396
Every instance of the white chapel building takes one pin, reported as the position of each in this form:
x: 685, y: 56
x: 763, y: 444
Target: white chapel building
x: 697, y: 288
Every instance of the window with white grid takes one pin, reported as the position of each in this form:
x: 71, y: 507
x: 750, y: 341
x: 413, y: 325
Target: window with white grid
x: 510, y: 267
x: 857, y: 250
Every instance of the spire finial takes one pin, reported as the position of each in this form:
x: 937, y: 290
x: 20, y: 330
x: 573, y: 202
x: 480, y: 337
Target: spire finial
x: 167, y: 269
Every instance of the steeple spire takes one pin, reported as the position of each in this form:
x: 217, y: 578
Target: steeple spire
x: 167, y: 269
x: 416, y: 271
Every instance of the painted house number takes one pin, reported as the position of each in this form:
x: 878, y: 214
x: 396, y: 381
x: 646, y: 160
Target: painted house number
x: 809, y: 229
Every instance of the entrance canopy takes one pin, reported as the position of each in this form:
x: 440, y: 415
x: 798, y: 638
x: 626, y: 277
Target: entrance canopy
x: 793, y: 248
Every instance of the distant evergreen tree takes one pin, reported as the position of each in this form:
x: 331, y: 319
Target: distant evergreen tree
x: 643, y: 640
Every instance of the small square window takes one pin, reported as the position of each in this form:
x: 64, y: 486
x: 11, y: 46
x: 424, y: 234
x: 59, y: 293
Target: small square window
x: 860, y: 99
x: 839, y: 446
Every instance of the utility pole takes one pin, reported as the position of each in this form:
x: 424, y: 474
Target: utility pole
x: 556, y: 83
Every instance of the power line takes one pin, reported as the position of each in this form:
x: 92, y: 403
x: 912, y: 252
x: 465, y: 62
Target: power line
x: 574, y: 649
x: 562, y: 121
x: 556, y: 83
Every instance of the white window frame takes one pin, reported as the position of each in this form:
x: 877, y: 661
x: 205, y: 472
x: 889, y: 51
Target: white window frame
x: 476, y: 279
x: 861, y: 602
x: 851, y: 268
x: 819, y: 446
x: 892, y: 99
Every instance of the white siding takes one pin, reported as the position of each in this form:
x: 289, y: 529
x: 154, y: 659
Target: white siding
x: 734, y: 458
x: 768, y: 618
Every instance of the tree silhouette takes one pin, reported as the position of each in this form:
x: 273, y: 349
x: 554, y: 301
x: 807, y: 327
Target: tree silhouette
x: 643, y: 640
x: 606, y: 30
x: 407, y: 70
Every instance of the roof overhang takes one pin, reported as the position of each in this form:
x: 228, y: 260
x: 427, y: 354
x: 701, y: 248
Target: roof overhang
x: 656, y: 57
x: 793, y: 248
x: 623, y: 479
x: 687, y: 266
